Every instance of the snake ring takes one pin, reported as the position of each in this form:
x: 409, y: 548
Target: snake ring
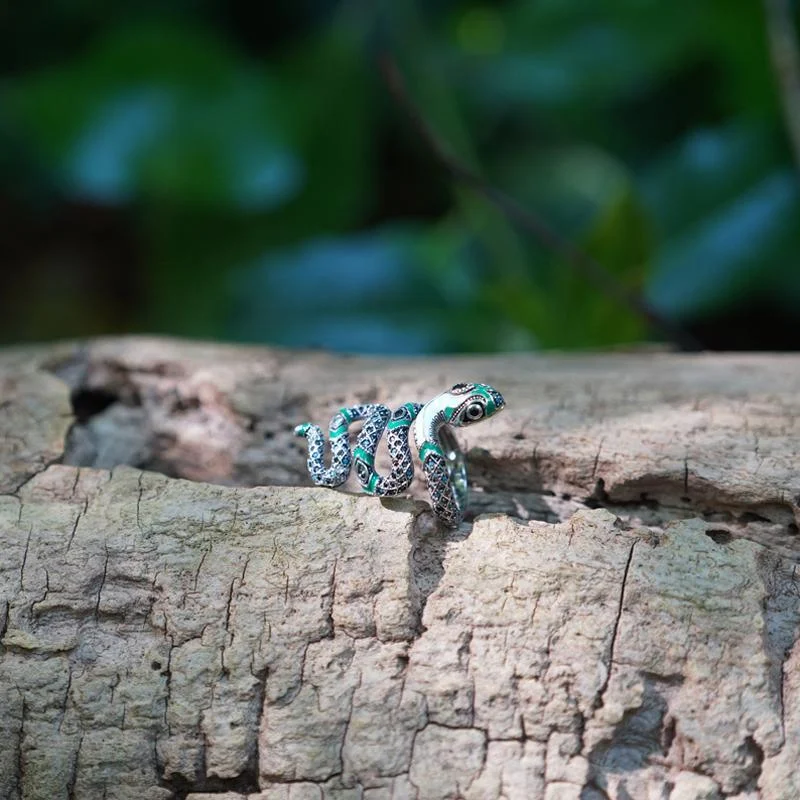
x: 442, y: 461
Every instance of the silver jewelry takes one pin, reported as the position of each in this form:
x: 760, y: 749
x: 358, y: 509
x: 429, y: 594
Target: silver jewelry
x: 442, y: 461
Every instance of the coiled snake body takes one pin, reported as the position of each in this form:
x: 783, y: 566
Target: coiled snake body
x: 442, y: 462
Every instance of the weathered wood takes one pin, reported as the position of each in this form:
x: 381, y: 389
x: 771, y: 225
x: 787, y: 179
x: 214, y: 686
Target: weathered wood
x: 624, y: 623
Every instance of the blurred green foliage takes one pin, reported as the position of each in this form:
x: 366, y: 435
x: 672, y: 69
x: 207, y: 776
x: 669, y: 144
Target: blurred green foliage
x: 210, y: 169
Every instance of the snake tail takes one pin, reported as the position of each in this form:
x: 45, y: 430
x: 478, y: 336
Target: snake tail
x: 377, y: 420
x: 338, y: 435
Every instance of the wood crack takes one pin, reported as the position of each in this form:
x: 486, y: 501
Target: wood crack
x: 615, y: 626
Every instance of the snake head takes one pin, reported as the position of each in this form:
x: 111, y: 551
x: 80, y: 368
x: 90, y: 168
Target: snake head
x: 475, y: 402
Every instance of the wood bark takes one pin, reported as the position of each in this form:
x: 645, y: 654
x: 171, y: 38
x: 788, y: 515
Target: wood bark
x: 183, y: 615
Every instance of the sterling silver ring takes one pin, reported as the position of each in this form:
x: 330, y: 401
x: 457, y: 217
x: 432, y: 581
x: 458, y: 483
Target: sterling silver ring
x: 442, y: 461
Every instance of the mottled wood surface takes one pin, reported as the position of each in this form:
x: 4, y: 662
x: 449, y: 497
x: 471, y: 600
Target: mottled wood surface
x: 182, y: 615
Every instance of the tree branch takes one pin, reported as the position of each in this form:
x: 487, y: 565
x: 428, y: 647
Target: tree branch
x: 582, y: 263
x: 785, y: 52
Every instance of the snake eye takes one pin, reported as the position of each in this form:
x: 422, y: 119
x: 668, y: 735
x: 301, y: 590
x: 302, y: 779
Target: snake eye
x: 474, y: 412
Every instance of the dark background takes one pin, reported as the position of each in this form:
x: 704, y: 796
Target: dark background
x: 234, y: 170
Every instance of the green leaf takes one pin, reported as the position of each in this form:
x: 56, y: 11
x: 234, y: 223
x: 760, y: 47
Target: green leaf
x: 329, y: 112
x: 161, y: 112
x: 704, y: 171
x: 396, y: 289
x: 360, y: 293
x: 591, y: 199
x: 576, y: 58
x: 742, y: 248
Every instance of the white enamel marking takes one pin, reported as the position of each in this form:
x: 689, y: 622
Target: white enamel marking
x: 424, y: 421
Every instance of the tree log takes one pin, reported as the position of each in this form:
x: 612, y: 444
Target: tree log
x: 182, y: 615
